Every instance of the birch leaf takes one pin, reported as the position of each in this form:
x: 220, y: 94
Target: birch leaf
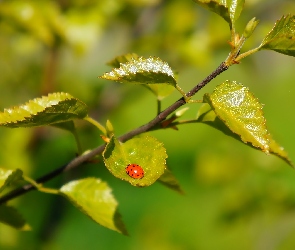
x: 8, y: 177
x: 208, y: 116
x: 229, y: 10
x: 141, y: 70
x: 11, y: 217
x: 242, y: 113
x: 282, y: 36
x: 47, y: 110
x: 145, y: 151
x: 94, y: 198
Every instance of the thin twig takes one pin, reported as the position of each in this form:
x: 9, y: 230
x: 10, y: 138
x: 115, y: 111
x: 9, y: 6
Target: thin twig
x: 86, y: 157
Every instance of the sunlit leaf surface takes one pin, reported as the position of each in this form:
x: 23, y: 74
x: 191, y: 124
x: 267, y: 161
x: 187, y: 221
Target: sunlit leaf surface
x: 94, y: 198
x: 51, y: 109
x: 145, y: 151
x: 141, y: 70
x: 160, y: 90
x: 208, y: 116
x: 282, y: 36
x: 236, y: 106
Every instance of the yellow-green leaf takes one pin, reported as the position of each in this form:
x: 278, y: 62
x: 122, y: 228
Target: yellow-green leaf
x: 145, y: 151
x: 109, y: 128
x: 141, y: 70
x: 8, y: 177
x: 94, y: 198
x: 207, y: 115
x: 279, y: 151
x: 237, y: 107
x: 230, y: 10
x: 116, y: 62
x: 160, y: 90
x: 282, y: 36
x: 10, y: 216
x: 51, y: 109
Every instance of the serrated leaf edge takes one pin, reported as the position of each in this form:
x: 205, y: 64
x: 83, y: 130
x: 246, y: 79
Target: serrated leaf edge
x: 139, y: 65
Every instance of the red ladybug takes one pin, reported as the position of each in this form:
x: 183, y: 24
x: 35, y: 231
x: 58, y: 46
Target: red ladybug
x: 135, y: 171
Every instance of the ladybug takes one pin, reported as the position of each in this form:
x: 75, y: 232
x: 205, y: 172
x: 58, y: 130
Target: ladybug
x: 135, y: 171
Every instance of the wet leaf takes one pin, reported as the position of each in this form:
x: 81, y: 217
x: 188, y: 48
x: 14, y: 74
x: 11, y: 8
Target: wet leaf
x: 230, y: 10
x: 10, y: 216
x: 207, y: 115
x: 145, y: 151
x: 160, y: 90
x: 48, y: 110
x: 282, y: 36
x: 94, y: 198
x: 242, y: 113
x: 141, y: 70
x: 8, y: 177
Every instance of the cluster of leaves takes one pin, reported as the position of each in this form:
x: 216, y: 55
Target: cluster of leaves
x: 230, y: 108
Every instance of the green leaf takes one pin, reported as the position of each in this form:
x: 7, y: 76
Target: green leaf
x: 109, y: 128
x: 116, y: 62
x: 94, y: 198
x: 170, y: 181
x: 279, y: 151
x: 230, y: 10
x: 8, y: 177
x: 142, y: 71
x: 250, y: 27
x: 236, y: 106
x: 160, y: 90
x: 282, y: 36
x: 69, y: 126
x: 145, y: 151
x: 11, y: 217
x: 173, y: 117
x: 207, y: 115
x: 48, y: 110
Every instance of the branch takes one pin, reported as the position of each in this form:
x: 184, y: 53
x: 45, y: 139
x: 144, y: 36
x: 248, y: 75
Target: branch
x: 86, y: 157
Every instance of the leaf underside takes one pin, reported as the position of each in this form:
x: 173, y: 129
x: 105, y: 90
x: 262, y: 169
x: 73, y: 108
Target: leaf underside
x: 170, y: 181
x: 229, y: 10
x: 51, y: 109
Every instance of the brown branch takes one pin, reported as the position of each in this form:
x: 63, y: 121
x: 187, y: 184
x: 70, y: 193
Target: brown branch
x: 148, y: 126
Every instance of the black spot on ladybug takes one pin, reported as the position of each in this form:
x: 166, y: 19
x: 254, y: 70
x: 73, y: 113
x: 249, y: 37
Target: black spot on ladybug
x: 135, y: 171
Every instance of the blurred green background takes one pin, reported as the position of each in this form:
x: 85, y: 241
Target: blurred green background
x: 235, y: 197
